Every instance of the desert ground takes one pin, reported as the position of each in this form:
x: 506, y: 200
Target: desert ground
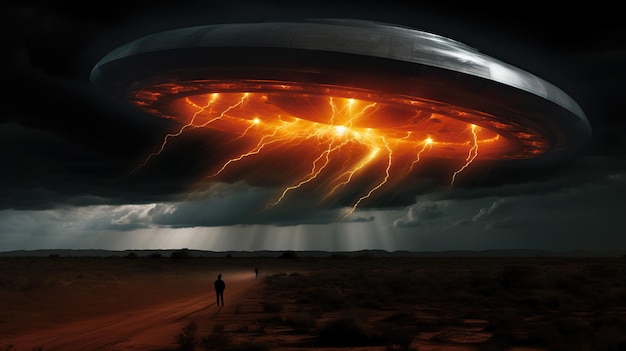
x: 342, y: 302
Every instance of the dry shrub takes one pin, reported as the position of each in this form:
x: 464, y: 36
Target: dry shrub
x: 249, y: 346
x: 545, y: 302
x: 503, y: 324
x: 566, y: 333
x: 345, y: 331
x: 187, y: 339
x: 327, y: 298
x: 301, y: 322
x: 610, y: 330
x: 218, y: 340
x: 353, y: 330
x: 514, y: 277
x: 272, y: 306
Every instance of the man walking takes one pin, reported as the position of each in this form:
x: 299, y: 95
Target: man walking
x: 219, y: 289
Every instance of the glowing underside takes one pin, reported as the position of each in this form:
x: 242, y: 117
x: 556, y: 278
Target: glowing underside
x: 339, y: 134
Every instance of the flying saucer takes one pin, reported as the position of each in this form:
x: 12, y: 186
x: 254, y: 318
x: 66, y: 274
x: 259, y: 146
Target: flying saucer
x: 422, y: 83
x: 349, y: 91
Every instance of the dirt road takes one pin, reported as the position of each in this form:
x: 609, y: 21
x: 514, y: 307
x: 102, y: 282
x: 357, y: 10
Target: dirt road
x: 147, y: 328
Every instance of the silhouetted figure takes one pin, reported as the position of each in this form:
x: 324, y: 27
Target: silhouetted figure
x: 219, y: 289
x: 256, y: 272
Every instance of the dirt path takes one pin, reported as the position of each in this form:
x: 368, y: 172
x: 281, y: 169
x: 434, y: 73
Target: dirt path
x: 153, y: 328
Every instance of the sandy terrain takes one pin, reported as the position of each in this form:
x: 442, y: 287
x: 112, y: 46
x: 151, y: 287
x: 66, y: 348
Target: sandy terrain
x: 147, y: 304
x: 109, y: 309
x: 144, y: 328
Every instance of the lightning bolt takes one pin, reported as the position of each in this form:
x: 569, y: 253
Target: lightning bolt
x: 350, y: 173
x: 342, y: 129
x: 191, y: 125
x: 340, y: 144
x: 339, y: 131
x: 223, y: 113
x: 254, y: 123
x: 262, y: 143
x: 379, y: 185
x: 174, y: 135
x: 428, y: 142
x: 315, y: 171
x: 471, y: 155
x: 360, y: 113
x: 333, y: 109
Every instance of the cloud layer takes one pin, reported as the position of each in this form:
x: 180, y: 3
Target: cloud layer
x: 68, y: 149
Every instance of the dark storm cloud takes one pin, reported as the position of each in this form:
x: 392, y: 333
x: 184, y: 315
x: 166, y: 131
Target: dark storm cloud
x: 63, y: 141
x: 358, y: 219
x: 423, y: 211
x: 485, y: 213
x: 65, y: 144
x: 596, y: 203
x: 226, y: 205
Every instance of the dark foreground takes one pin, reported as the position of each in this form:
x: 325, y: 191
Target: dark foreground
x: 336, y: 303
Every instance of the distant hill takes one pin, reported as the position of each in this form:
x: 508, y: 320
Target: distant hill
x: 303, y: 254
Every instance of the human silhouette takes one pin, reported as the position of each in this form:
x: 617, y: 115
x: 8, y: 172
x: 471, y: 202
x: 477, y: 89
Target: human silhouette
x: 256, y: 272
x: 219, y: 289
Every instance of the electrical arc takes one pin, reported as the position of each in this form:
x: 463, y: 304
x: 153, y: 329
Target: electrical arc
x: 327, y: 103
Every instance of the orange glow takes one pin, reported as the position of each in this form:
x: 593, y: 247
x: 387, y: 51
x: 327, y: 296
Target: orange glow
x: 330, y: 135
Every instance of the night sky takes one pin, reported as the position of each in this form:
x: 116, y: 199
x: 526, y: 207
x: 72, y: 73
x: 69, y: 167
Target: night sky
x: 67, y: 148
